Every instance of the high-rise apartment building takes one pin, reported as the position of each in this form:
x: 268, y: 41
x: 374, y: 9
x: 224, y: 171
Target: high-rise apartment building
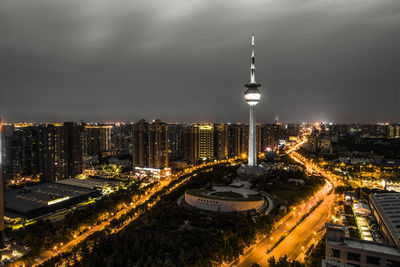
x: 150, y: 144
x: 11, y: 143
x: 96, y: 139
x: 33, y: 150
x: 206, y: 140
x: 121, y: 138
x: 221, y: 141
x: 62, y: 151
x: 175, y: 140
x: 191, y: 144
x: 237, y: 139
x: 51, y: 152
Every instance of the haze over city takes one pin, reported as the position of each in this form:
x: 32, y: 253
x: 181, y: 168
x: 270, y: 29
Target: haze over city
x: 187, y: 61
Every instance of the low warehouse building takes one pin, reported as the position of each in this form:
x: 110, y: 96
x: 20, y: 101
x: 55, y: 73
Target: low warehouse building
x: 41, y: 199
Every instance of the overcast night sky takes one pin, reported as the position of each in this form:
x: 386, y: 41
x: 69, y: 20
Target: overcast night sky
x: 109, y: 60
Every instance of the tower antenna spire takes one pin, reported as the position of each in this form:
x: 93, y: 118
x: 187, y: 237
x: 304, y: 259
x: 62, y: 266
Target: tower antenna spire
x: 253, y: 61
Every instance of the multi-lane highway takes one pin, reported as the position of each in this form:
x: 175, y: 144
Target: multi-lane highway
x: 293, y: 240
x: 301, y: 237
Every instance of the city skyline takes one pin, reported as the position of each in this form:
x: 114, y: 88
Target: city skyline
x: 329, y: 61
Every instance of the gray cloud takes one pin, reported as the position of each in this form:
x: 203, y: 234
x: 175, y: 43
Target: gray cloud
x: 335, y: 60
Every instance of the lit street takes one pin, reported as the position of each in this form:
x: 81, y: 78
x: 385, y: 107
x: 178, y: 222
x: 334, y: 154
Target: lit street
x: 309, y: 231
x: 257, y: 253
x: 199, y: 133
x: 77, y: 239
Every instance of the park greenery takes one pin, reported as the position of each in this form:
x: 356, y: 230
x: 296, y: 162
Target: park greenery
x: 317, y: 254
x: 167, y: 234
x: 44, y: 234
x: 284, y: 262
x: 286, y: 193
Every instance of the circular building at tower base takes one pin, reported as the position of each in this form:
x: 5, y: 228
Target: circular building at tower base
x: 225, y: 199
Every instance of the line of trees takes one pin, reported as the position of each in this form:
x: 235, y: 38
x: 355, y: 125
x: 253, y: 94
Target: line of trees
x: 45, y: 234
x: 170, y: 235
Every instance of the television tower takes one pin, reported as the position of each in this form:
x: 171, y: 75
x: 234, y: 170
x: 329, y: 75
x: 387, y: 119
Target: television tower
x: 252, y: 96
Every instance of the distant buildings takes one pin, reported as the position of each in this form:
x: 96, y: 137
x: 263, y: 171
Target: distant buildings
x: 194, y: 142
x: 221, y: 141
x: 96, y: 139
x: 379, y: 130
x: 150, y: 144
x: 238, y: 139
x: 121, y: 138
x: 206, y: 140
x: 175, y: 141
x: 190, y: 144
x: 55, y: 151
x: 51, y: 151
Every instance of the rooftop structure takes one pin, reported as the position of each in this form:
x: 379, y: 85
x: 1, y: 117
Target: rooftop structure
x: 92, y: 183
x: 37, y: 200
x: 386, y: 208
x: 225, y: 199
x: 344, y: 251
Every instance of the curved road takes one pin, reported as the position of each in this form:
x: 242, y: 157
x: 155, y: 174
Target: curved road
x: 309, y: 231
x: 257, y: 253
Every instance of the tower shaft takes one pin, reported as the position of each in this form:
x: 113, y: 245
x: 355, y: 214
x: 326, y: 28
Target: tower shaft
x: 252, y: 158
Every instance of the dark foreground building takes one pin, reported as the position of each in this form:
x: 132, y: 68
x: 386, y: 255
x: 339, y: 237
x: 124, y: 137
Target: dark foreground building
x: 38, y: 200
x: 345, y: 251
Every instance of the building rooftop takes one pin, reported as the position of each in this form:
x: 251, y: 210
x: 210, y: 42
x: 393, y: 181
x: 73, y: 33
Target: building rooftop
x: 335, y: 234
x: 361, y: 205
x: 41, y: 195
x: 368, y: 246
x: 90, y: 183
x: 388, y: 205
x: 227, y: 193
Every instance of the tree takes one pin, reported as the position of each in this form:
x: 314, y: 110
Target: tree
x: 284, y: 262
x: 33, y: 242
